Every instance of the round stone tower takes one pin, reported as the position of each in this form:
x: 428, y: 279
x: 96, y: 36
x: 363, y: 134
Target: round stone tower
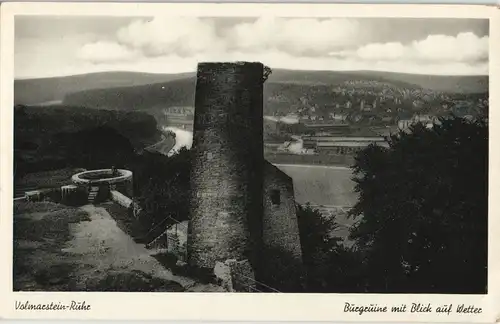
x: 227, y: 171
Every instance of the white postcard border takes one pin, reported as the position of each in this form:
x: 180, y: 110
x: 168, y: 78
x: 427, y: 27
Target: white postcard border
x: 240, y: 306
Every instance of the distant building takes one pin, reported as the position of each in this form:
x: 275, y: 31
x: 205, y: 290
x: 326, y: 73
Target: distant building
x: 404, y: 123
x: 387, y: 119
x: 347, y: 145
x: 424, y: 119
x: 179, y: 111
x: 338, y: 117
x: 270, y: 125
x: 364, y: 107
x: 313, y: 127
x: 350, y: 141
x: 356, y: 117
x: 427, y: 120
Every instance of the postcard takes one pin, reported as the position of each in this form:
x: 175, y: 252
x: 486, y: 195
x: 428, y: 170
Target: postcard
x: 278, y: 162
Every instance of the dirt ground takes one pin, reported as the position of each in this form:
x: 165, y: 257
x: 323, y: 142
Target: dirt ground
x: 60, y: 248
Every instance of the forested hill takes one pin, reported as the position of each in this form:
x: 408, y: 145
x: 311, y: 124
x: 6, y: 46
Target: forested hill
x: 440, y: 83
x: 49, y: 138
x: 285, y: 89
x: 35, y: 125
x: 145, y: 97
x: 36, y: 91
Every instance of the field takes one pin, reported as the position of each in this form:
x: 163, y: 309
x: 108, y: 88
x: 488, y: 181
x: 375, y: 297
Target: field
x: 322, y: 185
x: 328, y: 189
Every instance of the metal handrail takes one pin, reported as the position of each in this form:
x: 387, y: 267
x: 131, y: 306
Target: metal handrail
x: 261, y: 283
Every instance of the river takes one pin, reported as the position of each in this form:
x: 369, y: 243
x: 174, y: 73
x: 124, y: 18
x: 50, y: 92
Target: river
x: 183, y: 138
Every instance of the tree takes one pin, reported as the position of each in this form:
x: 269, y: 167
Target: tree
x: 162, y: 189
x: 98, y: 147
x: 331, y: 266
x: 423, y: 209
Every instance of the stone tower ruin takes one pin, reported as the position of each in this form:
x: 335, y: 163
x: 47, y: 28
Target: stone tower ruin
x: 227, y: 171
x: 231, y: 215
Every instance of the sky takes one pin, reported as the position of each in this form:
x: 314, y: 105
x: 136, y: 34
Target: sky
x: 48, y: 46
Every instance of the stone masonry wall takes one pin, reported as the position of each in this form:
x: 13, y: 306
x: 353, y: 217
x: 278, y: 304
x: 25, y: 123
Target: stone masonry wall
x: 280, y: 224
x: 281, y: 251
x: 226, y: 175
x: 125, y: 187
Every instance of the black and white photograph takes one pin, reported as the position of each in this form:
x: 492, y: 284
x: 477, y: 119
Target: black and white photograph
x: 250, y: 154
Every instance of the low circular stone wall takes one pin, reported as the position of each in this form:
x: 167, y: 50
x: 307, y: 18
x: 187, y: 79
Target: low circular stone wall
x: 102, y: 177
x: 98, y: 184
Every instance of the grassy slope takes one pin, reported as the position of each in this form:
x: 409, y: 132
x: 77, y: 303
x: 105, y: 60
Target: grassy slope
x: 45, y: 179
x: 41, y: 232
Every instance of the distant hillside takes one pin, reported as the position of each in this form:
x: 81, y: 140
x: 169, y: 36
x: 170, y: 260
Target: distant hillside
x: 283, y: 90
x: 151, y: 98
x: 155, y: 97
x: 444, y: 83
x: 37, y: 91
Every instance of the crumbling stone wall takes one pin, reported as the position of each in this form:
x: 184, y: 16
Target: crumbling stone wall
x: 281, y: 251
x: 280, y: 224
x: 226, y: 175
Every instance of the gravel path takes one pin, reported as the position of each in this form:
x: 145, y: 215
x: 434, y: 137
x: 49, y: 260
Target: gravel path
x: 104, y: 247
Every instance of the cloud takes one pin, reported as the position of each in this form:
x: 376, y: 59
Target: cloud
x: 295, y: 36
x: 177, y: 44
x: 105, y: 51
x: 465, y: 48
x: 178, y: 64
x: 170, y: 35
x: 378, y: 52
